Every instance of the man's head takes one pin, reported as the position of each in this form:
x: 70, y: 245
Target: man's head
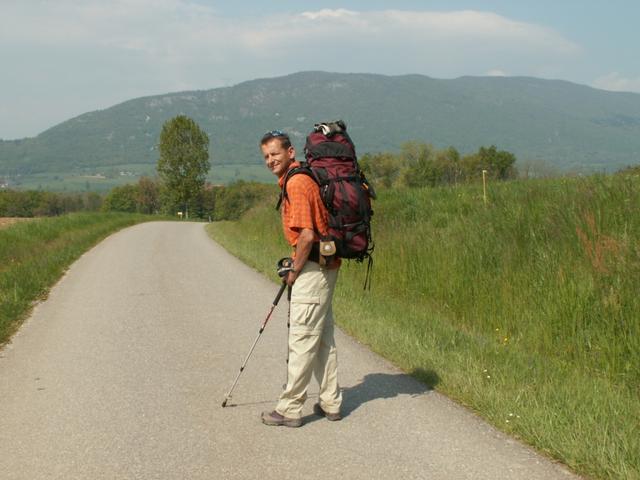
x: 277, y: 151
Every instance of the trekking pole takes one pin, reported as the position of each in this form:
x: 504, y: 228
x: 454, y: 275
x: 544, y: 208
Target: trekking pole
x: 264, y: 324
x: 286, y: 380
x: 284, y: 266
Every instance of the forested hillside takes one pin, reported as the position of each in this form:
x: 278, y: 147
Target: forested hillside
x: 567, y: 125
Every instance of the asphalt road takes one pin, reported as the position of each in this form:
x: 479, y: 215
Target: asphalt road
x: 120, y: 374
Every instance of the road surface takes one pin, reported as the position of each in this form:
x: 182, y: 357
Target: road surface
x: 121, y: 372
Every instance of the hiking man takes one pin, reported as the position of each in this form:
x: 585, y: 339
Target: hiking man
x: 312, y: 348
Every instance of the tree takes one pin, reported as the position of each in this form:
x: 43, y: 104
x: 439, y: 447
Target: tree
x: 413, y: 153
x: 184, y: 160
x: 148, y: 196
x: 421, y: 170
x: 500, y: 164
x: 92, y: 201
x: 382, y: 169
x: 121, y: 199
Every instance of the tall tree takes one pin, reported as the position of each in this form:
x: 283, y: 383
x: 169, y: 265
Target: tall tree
x: 184, y: 159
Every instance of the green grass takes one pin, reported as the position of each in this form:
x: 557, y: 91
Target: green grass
x: 35, y: 254
x: 524, y: 309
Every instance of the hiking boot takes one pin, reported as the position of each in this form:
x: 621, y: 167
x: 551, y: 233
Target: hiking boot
x: 334, y: 417
x: 276, y: 420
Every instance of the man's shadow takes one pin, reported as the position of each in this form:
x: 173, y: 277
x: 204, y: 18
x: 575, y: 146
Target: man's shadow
x: 385, y: 385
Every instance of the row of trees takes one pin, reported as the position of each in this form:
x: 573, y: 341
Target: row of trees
x: 421, y: 164
x: 212, y: 201
x: 148, y: 195
x: 46, y: 204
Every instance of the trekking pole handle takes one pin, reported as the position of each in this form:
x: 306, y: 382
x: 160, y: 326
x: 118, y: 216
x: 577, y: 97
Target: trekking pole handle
x: 284, y: 266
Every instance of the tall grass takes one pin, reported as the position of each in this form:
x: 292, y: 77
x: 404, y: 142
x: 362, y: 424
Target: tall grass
x: 35, y: 254
x: 525, y: 309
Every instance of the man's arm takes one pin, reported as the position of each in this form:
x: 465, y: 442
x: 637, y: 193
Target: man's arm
x: 303, y: 249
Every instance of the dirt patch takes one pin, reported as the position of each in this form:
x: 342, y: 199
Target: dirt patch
x: 6, y: 221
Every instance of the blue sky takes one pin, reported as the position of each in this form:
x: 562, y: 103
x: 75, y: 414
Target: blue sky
x: 63, y: 58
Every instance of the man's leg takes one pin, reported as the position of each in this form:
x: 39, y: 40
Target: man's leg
x: 326, y: 368
x: 302, y: 352
x: 310, y: 304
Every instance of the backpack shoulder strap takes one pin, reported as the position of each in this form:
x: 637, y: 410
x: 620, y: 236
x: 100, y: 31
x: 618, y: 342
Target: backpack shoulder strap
x: 304, y: 169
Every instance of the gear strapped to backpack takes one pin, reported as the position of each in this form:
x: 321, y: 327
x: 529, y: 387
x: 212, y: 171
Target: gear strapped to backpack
x: 332, y: 163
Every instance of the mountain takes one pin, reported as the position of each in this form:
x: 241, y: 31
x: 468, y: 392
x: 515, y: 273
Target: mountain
x: 568, y: 125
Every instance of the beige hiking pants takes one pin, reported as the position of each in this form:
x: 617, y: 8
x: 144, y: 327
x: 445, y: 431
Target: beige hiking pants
x: 312, y: 349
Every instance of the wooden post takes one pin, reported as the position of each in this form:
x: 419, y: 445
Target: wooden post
x: 484, y: 186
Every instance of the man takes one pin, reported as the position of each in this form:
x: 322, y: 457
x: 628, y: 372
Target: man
x: 312, y: 348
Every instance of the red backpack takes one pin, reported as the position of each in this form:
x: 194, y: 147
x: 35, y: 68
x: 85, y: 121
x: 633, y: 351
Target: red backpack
x: 331, y: 161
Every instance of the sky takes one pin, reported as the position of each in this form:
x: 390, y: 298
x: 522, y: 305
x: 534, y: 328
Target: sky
x: 62, y: 58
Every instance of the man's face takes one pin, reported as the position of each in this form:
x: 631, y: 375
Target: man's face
x: 276, y: 157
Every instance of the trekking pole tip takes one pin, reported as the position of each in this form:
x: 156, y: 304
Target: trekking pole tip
x: 224, y: 404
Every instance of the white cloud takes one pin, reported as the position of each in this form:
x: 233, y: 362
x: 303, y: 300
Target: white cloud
x: 92, y: 53
x: 327, y: 14
x: 437, y: 33
x: 166, y: 29
x: 614, y: 81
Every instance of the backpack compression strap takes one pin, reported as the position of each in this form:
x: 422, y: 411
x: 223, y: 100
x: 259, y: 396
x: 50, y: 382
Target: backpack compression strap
x: 329, y: 149
x: 303, y: 168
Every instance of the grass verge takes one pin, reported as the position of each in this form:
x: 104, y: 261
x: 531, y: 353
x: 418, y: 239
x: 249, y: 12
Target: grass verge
x: 524, y: 309
x: 35, y: 254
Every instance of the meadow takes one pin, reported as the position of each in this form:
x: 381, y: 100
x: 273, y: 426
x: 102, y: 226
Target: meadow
x: 34, y: 254
x: 525, y: 309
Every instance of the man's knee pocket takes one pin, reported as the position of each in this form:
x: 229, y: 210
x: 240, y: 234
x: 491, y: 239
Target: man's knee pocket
x: 307, y: 314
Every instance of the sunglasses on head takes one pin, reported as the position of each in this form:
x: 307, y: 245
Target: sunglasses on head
x: 279, y: 134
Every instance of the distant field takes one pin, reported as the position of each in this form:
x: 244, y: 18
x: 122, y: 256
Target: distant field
x: 104, y: 179
x: 230, y: 173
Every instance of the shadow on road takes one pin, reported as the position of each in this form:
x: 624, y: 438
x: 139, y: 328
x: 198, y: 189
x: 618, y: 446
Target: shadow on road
x: 385, y: 385
x: 372, y: 387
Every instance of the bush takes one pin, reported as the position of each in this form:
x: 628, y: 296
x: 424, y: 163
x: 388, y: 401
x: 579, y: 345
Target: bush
x: 121, y: 199
x: 142, y: 197
x: 232, y: 201
x: 422, y: 165
x: 33, y: 203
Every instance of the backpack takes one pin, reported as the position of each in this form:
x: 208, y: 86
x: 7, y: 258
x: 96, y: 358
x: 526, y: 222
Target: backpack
x: 332, y: 163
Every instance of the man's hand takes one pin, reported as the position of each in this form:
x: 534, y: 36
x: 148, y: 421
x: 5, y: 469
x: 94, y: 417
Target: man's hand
x: 303, y: 249
x: 291, y: 278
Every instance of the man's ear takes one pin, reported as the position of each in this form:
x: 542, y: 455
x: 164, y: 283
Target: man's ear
x: 292, y: 152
